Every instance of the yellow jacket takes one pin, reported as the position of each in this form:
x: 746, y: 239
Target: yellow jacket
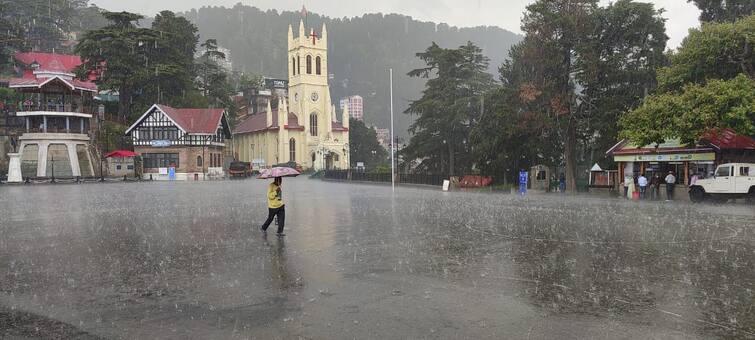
x: 274, y: 196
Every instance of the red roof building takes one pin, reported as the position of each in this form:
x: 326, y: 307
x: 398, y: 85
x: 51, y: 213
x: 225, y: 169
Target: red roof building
x: 56, y: 109
x: 190, y: 140
x: 35, y: 69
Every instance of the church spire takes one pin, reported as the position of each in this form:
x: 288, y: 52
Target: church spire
x: 301, y: 30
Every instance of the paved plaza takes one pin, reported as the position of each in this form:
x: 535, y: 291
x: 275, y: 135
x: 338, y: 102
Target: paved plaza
x: 187, y: 261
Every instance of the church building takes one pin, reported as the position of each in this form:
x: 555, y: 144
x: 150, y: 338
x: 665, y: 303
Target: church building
x: 305, y: 127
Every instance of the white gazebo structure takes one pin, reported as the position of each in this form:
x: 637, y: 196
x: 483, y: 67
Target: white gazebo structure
x: 57, y: 110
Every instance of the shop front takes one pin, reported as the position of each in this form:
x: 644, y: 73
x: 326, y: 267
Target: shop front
x: 684, y: 161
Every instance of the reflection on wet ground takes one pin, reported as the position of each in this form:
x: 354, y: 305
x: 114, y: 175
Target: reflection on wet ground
x: 185, y: 260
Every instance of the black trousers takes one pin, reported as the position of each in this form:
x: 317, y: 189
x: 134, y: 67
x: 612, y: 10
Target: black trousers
x: 281, y: 213
x: 669, y: 192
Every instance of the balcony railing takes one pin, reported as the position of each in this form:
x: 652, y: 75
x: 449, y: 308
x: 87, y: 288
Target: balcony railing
x: 50, y: 107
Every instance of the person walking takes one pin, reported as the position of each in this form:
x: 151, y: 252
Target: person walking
x: 670, y: 182
x: 275, y: 206
x: 655, y: 187
x: 642, y: 181
x: 562, y: 183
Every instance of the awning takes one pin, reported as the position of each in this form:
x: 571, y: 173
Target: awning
x: 121, y: 154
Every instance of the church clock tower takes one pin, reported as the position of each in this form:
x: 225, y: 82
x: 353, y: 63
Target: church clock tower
x: 323, y: 141
x: 309, y: 94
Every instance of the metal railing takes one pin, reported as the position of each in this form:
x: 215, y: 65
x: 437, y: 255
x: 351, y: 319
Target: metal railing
x: 379, y: 177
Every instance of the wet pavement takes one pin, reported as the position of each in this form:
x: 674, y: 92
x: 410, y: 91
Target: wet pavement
x: 185, y: 260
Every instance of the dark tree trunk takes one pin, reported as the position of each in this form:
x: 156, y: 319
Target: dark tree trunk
x: 570, y: 155
x: 451, y: 159
x: 124, y: 101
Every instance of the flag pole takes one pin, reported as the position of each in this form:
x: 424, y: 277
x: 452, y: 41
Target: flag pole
x: 393, y: 141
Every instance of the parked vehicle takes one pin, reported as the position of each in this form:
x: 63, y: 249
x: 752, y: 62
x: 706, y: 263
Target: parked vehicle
x: 240, y: 170
x: 730, y: 181
x: 292, y: 165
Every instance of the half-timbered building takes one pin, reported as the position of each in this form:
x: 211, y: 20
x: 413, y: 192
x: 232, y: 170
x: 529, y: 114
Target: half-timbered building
x: 192, y: 141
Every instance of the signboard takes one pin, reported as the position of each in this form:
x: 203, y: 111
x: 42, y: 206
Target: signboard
x: 679, y: 157
x: 446, y: 184
x: 162, y: 171
x: 160, y: 143
x: 276, y: 83
x: 523, y: 177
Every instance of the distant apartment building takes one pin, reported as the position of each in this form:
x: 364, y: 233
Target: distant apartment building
x: 355, y: 105
x: 383, y: 137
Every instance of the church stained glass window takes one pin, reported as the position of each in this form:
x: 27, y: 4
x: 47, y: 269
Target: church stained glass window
x: 292, y: 150
x: 309, y: 64
x: 313, y: 124
x: 293, y: 65
x: 318, y: 66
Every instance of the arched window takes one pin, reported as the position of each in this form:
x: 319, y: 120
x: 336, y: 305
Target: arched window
x: 309, y: 64
x: 318, y: 66
x: 292, y: 150
x: 298, y: 64
x: 199, y: 160
x: 313, y: 124
x: 293, y: 65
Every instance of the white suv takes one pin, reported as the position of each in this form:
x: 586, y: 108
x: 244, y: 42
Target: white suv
x: 731, y: 181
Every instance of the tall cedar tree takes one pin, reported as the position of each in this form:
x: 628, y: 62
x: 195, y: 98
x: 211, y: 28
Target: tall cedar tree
x: 120, y: 55
x: 449, y: 108
x: 554, y: 29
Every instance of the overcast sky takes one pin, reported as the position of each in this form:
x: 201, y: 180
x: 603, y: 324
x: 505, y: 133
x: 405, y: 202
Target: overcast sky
x: 507, y: 14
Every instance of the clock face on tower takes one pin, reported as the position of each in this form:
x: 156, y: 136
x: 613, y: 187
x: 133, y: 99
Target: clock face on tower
x: 315, y: 96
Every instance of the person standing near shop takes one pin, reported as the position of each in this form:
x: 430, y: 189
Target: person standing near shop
x: 627, y: 181
x: 670, y: 183
x: 655, y: 186
x: 642, y: 181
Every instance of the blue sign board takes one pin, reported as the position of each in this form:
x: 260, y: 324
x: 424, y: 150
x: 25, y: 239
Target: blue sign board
x: 160, y: 143
x: 172, y: 173
x: 523, y: 182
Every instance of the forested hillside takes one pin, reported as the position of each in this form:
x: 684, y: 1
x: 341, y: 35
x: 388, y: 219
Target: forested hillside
x: 361, y: 50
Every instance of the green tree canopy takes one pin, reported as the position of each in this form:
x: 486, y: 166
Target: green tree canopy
x: 709, y: 85
x: 11, y: 37
x: 450, y: 106
x: 120, y: 54
x: 364, y: 146
x: 696, y: 110
x: 724, y: 10
x: 579, y: 68
x: 44, y: 22
x: 715, y: 51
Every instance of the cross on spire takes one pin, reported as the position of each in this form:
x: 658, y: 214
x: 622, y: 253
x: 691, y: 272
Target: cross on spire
x: 314, y: 36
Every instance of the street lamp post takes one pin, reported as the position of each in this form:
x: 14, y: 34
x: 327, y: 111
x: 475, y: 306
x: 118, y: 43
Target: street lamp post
x: 393, y: 169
